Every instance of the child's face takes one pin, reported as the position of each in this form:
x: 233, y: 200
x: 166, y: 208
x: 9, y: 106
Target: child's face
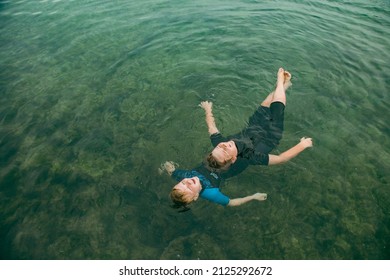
x: 191, y: 187
x: 225, y: 151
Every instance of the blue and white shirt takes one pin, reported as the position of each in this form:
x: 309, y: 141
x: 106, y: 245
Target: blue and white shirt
x: 210, y: 182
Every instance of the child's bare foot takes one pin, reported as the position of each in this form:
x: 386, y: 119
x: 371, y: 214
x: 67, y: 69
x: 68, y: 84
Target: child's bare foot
x: 280, y: 79
x: 287, y: 80
x: 287, y: 76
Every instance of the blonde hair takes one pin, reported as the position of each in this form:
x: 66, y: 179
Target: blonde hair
x: 180, y: 197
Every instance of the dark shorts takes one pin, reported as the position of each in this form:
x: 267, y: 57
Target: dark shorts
x: 265, y: 127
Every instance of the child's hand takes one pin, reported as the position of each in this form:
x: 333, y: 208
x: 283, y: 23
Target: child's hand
x: 260, y: 196
x: 307, y: 142
x: 168, y: 166
x: 206, y: 105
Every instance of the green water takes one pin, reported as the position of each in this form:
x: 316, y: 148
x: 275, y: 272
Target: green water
x: 94, y: 95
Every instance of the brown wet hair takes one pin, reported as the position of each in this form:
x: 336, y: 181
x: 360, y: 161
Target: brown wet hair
x: 213, y: 165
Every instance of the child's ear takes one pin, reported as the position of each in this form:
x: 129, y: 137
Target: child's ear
x: 196, y: 197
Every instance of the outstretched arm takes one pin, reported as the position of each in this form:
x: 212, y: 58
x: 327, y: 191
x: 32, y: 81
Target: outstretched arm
x: 291, y: 153
x: 207, y: 106
x: 242, y: 200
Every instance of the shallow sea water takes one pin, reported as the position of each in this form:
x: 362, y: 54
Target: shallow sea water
x: 95, y: 95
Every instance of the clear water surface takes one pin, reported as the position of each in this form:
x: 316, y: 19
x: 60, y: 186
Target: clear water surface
x: 94, y: 95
